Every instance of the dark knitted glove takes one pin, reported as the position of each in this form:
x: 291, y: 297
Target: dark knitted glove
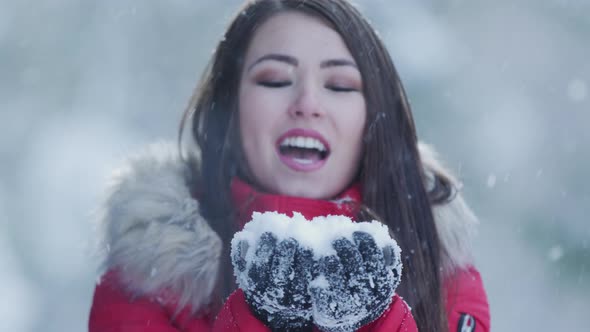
x: 275, y: 279
x: 355, y: 286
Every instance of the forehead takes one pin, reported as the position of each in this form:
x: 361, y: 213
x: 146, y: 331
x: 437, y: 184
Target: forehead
x: 299, y: 35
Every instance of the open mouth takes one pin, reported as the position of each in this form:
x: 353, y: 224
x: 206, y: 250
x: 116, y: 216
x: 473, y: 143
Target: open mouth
x: 303, y: 151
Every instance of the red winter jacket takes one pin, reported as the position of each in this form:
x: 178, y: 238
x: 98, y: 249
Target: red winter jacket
x: 113, y: 310
x: 162, y: 256
x: 466, y: 299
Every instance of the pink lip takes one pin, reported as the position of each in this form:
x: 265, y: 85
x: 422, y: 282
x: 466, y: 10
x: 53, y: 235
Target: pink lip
x: 300, y: 132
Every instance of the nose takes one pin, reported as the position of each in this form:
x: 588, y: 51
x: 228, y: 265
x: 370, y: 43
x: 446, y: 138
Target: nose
x: 306, y: 103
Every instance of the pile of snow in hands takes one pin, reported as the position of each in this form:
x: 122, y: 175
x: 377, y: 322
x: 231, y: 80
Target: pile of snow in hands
x: 317, y: 236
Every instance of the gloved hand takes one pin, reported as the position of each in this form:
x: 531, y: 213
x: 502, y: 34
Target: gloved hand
x: 275, y: 279
x: 355, y: 286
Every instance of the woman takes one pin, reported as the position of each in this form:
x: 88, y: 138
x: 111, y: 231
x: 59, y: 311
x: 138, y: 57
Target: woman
x: 301, y: 109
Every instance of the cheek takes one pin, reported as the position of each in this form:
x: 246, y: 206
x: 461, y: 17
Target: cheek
x: 354, y: 120
x: 246, y: 104
x: 257, y: 118
x: 256, y: 103
x: 246, y: 107
x: 250, y: 111
x: 355, y: 127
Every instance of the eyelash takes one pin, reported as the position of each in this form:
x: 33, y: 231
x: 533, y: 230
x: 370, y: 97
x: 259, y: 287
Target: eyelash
x: 282, y: 84
x: 274, y: 84
x: 337, y: 88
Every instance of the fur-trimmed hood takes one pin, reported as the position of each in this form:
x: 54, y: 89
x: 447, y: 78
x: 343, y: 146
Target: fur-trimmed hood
x: 153, y: 234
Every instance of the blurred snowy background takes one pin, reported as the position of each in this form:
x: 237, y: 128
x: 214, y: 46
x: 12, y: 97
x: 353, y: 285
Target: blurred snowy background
x: 502, y: 88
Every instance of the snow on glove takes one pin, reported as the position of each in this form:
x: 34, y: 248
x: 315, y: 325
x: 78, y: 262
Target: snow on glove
x: 356, y: 285
x: 275, y: 280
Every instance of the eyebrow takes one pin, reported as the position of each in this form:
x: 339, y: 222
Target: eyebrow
x: 293, y: 62
x: 337, y: 63
x: 276, y: 57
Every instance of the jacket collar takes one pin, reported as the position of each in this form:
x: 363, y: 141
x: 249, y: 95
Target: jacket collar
x: 247, y: 199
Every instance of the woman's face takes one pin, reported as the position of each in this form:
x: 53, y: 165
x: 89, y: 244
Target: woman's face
x: 301, y: 108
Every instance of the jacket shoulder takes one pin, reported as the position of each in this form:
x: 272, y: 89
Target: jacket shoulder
x: 152, y: 232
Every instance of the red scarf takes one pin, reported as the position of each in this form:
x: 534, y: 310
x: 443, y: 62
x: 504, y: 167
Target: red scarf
x: 247, y: 199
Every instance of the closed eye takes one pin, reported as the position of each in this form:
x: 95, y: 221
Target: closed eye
x: 274, y: 84
x: 338, y: 88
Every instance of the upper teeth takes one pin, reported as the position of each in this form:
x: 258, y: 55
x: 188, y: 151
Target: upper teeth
x: 304, y: 142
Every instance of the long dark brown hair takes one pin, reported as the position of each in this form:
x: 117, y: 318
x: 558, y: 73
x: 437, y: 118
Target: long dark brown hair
x: 390, y: 172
